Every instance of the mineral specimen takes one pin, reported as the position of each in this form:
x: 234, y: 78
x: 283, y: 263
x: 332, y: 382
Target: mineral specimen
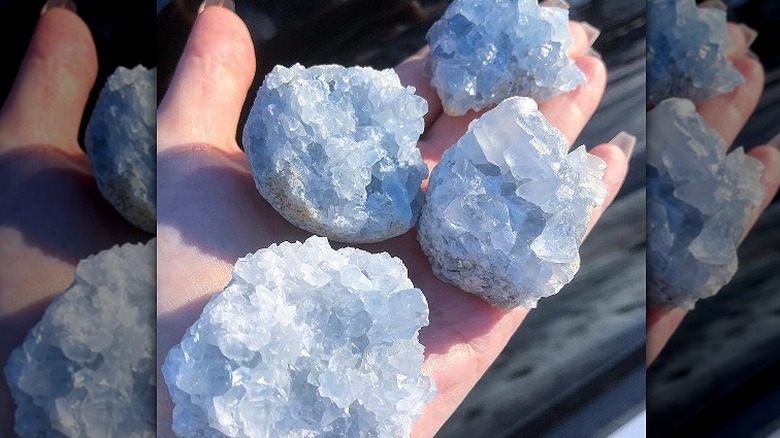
x: 121, y: 140
x: 334, y: 150
x: 305, y: 341
x: 507, y: 207
x: 87, y: 369
x: 485, y: 51
x: 699, y: 199
x: 686, y: 52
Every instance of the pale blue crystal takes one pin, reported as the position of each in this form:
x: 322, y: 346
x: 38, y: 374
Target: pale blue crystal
x: 686, y: 52
x: 305, y: 341
x: 485, y: 51
x: 334, y: 150
x: 699, y: 201
x: 87, y: 369
x: 507, y: 207
x: 121, y: 140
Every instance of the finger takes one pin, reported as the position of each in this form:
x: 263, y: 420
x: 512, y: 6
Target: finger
x: 47, y: 100
x: 769, y: 155
x: 570, y: 112
x: 661, y: 324
x: 728, y: 113
x: 741, y: 37
x: 583, y: 35
x: 616, y: 155
x: 204, y: 100
x: 412, y: 73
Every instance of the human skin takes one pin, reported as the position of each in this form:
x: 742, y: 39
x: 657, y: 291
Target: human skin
x: 726, y: 114
x: 210, y: 213
x: 51, y: 212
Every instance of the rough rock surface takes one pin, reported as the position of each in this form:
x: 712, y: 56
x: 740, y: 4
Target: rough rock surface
x: 507, y: 207
x: 485, y: 51
x: 305, y: 341
x: 334, y: 150
x: 87, y: 369
x: 699, y: 201
x: 121, y: 140
x: 686, y: 52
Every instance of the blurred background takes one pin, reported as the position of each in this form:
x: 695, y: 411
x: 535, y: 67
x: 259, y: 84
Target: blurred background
x: 719, y: 375
x: 576, y: 366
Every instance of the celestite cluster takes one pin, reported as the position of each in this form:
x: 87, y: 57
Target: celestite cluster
x: 334, y: 150
x: 87, y: 369
x: 507, y: 207
x: 699, y: 201
x: 485, y: 51
x: 305, y: 341
x: 686, y: 52
x: 121, y: 140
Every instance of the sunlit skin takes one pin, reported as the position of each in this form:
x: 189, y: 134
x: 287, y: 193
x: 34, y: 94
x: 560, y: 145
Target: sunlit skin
x: 210, y: 212
x: 726, y: 114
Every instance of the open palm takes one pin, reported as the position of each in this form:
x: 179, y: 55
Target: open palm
x: 210, y: 213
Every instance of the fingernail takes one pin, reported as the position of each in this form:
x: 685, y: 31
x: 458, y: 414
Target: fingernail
x: 775, y: 142
x: 752, y: 55
x: 555, y: 4
x: 593, y: 53
x: 750, y: 34
x: 591, y: 31
x: 229, y: 4
x: 64, y: 4
x: 714, y: 4
x: 625, y: 142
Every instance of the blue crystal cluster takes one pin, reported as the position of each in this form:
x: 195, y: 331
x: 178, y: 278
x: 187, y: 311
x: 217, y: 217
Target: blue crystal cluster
x: 305, y: 341
x: 485, y: 51
x: 699, y: 201
x: 686, y: 52
x: 334, y: 150
x: 121, y: 140
x: 87, y: 369
x: 508, y: 205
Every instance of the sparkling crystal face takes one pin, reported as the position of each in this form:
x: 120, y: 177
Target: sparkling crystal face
x: 334, y: 150
x: 121, y: 140
x: 507, y: 207
x: 485, y: 51
x: 305, y: 341
x: 699, y: 201
x: 92, y: 353
x: 686, y: 52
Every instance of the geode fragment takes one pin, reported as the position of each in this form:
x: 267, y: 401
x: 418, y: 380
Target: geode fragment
x: 507, y: 207
x: 121, y: 140
x: 485, y: 51
x: 334, y: 150
x: 305, y: 341
x: 87, y: 369
x: 699, y: 201
x: 686, y: 52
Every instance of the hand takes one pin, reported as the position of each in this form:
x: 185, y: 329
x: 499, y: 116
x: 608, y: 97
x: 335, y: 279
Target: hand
x: 210, y: 213
x: 51, y: 213
x: 727, y: 114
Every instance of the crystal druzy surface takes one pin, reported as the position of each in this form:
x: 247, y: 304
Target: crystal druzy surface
x: 507, y: 207
x: 121, y: 140
x: 87, y: 369
x: 305, y: 341
x: 699, y: 200
x: 334, y: 150
x: 686, y: 52
x: 485, y: 51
